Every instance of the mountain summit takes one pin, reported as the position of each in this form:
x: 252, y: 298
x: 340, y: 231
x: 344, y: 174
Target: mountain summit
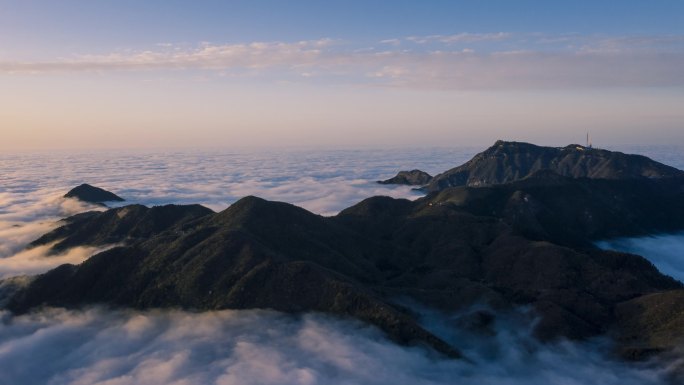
x: 510, y: 161
x: 92, y: 194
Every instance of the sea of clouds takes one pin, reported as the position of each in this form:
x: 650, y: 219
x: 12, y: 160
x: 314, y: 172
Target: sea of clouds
x: 324, y: 182
x: 665, y: 251
x: 101, y: 346
x: 113, y: 347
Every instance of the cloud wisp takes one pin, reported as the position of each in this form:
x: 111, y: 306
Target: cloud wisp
x: 26, y: 215
x: 461, y: 61
x: 665, y: 251
x: 99, y: 347
x: 39, y: 259
x: 463, y: 37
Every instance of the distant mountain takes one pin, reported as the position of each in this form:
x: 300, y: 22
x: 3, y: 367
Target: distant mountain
x: 510, y: 161
x: 410, y: 178
x: 92, y: 194
x: 528, y: 242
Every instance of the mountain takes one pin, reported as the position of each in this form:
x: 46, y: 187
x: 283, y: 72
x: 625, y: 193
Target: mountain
x: 575, y: 212
x: 410, y: 178
x: 510, y: 161
x: 528, y: 242
x: 255, y: 254
x: 128, y: 223
x: 92, y: 194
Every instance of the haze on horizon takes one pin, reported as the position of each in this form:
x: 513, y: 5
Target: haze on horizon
x: 130, y: 74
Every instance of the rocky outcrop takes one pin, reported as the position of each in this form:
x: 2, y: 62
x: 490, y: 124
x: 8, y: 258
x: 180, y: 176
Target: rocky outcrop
x: 410, y: 178
x: 92, y: 194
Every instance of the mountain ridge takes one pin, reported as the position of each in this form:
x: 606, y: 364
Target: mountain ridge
x: 508, y: 161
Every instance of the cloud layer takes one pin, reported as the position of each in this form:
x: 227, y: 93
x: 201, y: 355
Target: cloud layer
x: 31, y: 202
x: 323, y: 182
x: 665, y: 251
x: 105, y: 347
x: 462, y: 61
x: 98, y: 347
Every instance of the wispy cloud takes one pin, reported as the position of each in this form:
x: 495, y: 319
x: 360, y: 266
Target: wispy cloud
x: 95, y: 346
x: 447, y: 62
x: 664, y: 251
x: 206, y: 56
x: 632, y: 44
x: 39, y: 260
x: 460, y: 38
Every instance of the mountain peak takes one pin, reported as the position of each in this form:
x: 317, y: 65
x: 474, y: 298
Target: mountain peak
x: 505, y: 162
x: 92, y: 194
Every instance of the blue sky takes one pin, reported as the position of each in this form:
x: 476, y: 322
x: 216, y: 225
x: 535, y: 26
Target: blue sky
x: 86, y: 23
x: 322, y: 72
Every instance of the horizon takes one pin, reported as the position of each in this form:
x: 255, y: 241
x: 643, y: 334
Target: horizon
x: 264, y: 75
x: 625, y: 147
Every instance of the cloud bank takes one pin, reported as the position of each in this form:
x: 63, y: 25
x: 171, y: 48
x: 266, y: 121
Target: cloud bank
x: 323, y: 182
x: 463, y: 61
x: 665, y: 251
x: 24, y: 217
x: 109, y: 347
x: 98, y: 347
x: 39, y: 260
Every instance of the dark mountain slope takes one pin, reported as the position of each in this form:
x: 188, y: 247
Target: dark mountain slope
x: 651, y: 324
x: 256, y: 254
x: 457, y: 258
x: 119, y: 224
x: 574, y: 212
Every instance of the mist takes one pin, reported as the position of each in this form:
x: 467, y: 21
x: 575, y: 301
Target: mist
x: 99, y: 346
x: 665, y: 251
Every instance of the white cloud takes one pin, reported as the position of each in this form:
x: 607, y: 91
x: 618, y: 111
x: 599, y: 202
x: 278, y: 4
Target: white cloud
x: 254, y: 55
x: 26, y: 214
x: 324, y: 182
x: 39, y: 260
x: 529, y: 62
x: 98, y: 347
x: 460, y: 38
x: 631, y: 44
x: 394, y: 42
x: 665, y: 251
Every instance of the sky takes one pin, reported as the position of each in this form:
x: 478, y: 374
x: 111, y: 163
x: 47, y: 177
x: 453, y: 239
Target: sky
x: 328, y: 74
